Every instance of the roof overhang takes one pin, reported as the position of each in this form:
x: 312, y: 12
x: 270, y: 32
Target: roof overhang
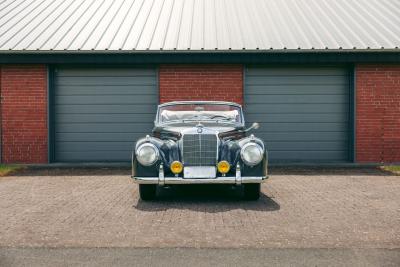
x: 202, y: 57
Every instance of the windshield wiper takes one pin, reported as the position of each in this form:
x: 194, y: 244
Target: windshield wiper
x: 220, y: 116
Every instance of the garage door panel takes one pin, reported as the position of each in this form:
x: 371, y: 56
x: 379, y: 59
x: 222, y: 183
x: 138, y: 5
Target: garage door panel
x: 302, y: 108
x: 102, y: 127
x: 311, y: 156
x: 95, y: 146
x: 295, y: 89
x: 105, y: 72
x: 106, y: 90
x: 104, y: 118
x: 98, y: 137
x: 100, y: 113
x: 295, y: 117
x: 303, y: 127
x: 100, y: 81
x: 98, y: 109
x: 94, y: 156
x: 294, y: 80
x: 303, y: 112
x: 300, y: 71
x: 302, y: 146
x: 302, y: 136
x: 127, y: 99
x: 296, y: 98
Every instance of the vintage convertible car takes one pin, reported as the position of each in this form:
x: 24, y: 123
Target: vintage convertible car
x: 199, y: 142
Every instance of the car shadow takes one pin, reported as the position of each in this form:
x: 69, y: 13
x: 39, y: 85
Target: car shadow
x: 205, y: 198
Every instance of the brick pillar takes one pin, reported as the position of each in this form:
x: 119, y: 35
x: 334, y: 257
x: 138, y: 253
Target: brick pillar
x: 24, y: 113
x: 201, y: 82
x: 378, y: 113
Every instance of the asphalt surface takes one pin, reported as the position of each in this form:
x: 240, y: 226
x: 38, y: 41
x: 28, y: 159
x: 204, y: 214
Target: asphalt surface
x: 44, y: 257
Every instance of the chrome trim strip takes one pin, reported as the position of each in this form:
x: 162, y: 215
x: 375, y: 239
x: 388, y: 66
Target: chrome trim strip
x: 219, y: 180
x: 161, y: 178
x: 238, y: 176
x: 132, y: 162
x: 266, y: 163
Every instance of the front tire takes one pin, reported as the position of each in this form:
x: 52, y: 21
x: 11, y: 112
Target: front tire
x: 147, y: 191
x: 251, y: 191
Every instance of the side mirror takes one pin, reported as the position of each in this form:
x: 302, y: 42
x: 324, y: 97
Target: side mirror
x: 254, y: 126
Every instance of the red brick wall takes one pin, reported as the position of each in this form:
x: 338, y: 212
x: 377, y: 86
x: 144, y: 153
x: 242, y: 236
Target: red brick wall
x: 378, y: 113
x: 24, y: 113
x: 24, y: 105
x: 201, y: 82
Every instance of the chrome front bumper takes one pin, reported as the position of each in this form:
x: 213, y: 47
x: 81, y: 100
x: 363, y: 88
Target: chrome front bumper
x: 238, y: 179
x: 218, y: 180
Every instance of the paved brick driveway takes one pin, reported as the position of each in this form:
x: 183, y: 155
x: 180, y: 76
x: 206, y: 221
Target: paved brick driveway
x: 299, y: 208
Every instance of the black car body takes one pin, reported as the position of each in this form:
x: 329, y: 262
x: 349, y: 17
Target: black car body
x: 199, y: 142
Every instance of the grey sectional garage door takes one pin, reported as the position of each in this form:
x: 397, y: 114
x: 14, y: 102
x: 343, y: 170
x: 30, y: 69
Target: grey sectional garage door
x: 100, y: 112
x: 303, y: 112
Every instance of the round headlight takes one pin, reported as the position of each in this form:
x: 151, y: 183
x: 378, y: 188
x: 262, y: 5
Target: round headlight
x: 147, y: 154
x: 251, y: 154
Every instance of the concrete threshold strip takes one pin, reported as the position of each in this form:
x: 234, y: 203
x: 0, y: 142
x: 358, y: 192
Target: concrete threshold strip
x: 276, y: 164
x: 198, y: 257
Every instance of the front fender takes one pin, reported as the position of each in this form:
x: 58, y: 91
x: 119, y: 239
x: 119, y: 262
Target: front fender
x: 168, y: 150
x: 230, y: 151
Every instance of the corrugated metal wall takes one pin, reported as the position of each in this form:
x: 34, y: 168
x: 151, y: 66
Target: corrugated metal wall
x: 100, y: 113
x: 303, y: 112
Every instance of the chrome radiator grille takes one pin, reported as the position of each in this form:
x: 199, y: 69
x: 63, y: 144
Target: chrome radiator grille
x: 199, y: 149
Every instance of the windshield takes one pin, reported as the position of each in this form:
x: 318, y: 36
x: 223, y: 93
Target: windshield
x: 219, y: 113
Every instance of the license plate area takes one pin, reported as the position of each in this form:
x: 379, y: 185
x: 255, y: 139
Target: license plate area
x: 199, y: 172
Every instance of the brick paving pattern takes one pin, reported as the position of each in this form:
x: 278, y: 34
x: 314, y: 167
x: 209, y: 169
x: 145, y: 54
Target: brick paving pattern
x: 298, y: 208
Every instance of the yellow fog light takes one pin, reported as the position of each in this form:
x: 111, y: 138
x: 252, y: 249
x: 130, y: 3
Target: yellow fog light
x: 223, y: 166
x: 176, y: 167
